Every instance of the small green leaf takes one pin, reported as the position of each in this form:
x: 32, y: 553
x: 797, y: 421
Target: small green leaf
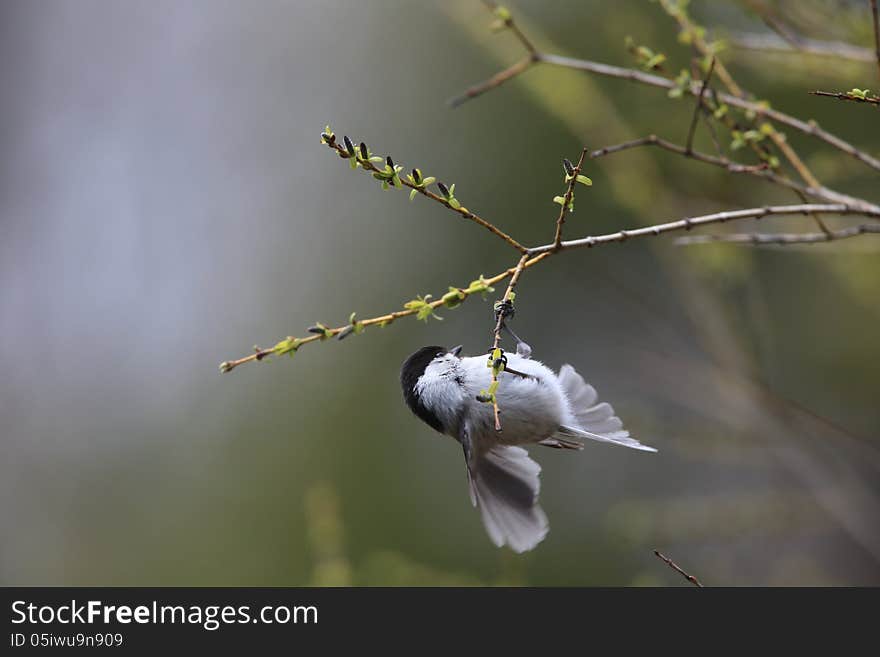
x: 412, y: 194
x: 502, y: 12
x: 583, y: 180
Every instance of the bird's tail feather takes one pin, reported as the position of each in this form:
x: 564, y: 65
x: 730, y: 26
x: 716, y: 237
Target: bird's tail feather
x: 595, y: 421
x: 505, y: 487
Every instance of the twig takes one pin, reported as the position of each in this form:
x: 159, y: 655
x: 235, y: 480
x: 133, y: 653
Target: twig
x: 873, y: 100
x: 757, y: 170
x: 495, y: 81
x: 669, y: 562
x: 333, y: 144
x: 597, y: 68
x: 874, y: 14
x: 699, y: 108
x: 704, y: 220
x: 782, y: 238
x: 681, y: 17
x: 810, y: 128
x: 291, y: 345
x: 569, y: 192
x: 503, y: 310
x: 772, y: 44
x: 512, y: 26
x: 772, y: 20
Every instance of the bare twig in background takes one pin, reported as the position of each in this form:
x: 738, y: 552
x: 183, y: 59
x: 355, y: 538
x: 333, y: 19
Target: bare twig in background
x: 874, y: 12
x: 757, y: 170
x: 782, y: 238
x: 607, y: 70
x: 774, y: 22
x: 699, y: 108
x: 865, y: 98
x: 495, y: 81
x: 772, y: 44
x: 669, y: 562
x: 807, y: 127
x: 678, y: 13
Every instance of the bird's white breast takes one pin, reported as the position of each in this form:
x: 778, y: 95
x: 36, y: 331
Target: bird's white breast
x: 531, y: 408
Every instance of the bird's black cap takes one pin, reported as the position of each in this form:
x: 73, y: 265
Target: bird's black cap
x: 410, y: 372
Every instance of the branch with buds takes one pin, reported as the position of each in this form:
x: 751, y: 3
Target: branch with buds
x: 749, y: 123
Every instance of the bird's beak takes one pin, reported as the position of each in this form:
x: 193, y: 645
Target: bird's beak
x: 455, y: 351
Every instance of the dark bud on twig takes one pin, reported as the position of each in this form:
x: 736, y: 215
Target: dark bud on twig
x: 344, y: 333
x: 443, y: 189
x: 569, y: 167
x: 417, y: 176
x: 329, y: 138
x: 316, y: 329
x: 389, y: 161
x: 365, y: 154
x: 349, y: 147
x: 485, y: 399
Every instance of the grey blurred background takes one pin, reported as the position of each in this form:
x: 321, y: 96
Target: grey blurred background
x: 165, y: 203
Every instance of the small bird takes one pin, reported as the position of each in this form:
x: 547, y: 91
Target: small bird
x: 537, y: 407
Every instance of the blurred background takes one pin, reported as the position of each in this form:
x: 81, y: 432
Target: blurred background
x: 165, y: 204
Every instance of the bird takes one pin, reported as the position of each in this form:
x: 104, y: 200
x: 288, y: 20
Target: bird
x: 446, y: 390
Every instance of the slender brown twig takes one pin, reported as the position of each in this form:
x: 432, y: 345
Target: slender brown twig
x: 782, y: 238
x: 774, y: 22
x: 874, y: 14
x: 699, y: 108
x: 291, y: 344
x: 569, y: 193
x: 495, y: 81
x: 669, y: 562
x: 872, y: 100
x: 424, y: 191
x: 681, y: 17
x: 757, y: 170
x: 502, y: 311
x: 734, y: 98
x: 771, y: 44
x: 633, y: 75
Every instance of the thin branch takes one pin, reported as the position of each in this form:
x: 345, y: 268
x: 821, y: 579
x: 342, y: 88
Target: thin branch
x: 837, y: 49
x: 569, y: 194
x: 704, y: 220
x: 290, y: 344
x: 332, y: 143
x: 495, y: 81
x: 782, y: 238
x: 512, y: 26
x: 874, y: 14
x: 680, y: 16
x: 535, y: 56
x: 699, y: 108
x: 771, y: 19
x: 503, y: 309
x: 669, y: 562
x: 873, y: 100
x: 810, y: 128
x: 757, y: 170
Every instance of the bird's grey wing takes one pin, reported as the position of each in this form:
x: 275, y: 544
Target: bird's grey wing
x: 595, y: 421
x: 504, y: 486
x: 467, y: 447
